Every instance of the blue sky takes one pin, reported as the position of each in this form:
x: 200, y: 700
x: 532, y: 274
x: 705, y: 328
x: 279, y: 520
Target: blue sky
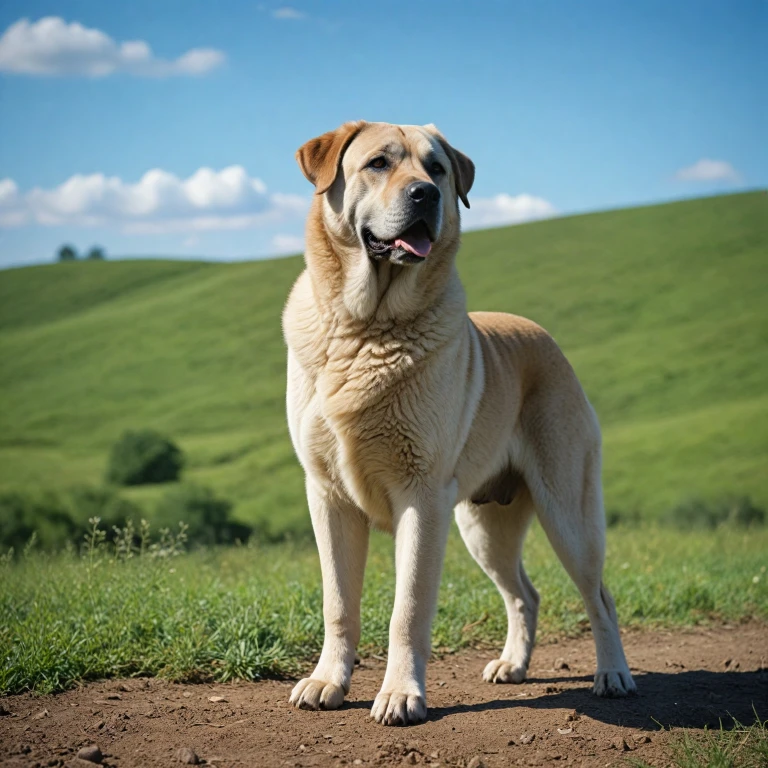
x: 564, y: 107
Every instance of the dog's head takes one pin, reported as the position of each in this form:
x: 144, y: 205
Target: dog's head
x: 392, y: 191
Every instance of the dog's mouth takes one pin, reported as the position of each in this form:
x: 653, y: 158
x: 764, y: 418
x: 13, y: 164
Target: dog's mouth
x: 411, y: 246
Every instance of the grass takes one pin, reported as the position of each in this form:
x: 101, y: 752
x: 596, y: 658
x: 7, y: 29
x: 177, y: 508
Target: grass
x: 738, y: 746
x: 245, y: 612
x: 660, y: 309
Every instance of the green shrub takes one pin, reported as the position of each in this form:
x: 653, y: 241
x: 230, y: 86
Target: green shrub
x: 56, y: 520
x: 85, y: 503
x: 614, y: 517
x: 698, y: 513
x: 43, y: 516
x: 207, y: 516
x: 742, y: 511
x: 143, y: 457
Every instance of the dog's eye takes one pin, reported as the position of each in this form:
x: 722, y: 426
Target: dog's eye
x: 378, y: 163
x: 436, y: 169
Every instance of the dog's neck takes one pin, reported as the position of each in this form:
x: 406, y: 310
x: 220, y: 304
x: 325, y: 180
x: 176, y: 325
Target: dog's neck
x: 352, y: 289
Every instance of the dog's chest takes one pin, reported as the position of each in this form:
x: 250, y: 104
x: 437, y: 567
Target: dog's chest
x: 378, y: 419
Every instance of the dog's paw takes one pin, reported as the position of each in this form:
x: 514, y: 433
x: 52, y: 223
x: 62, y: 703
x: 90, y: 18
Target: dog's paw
x: 500, y: 671
x: 311, y: 693
x: 399, y: 709
x: 614, y: 684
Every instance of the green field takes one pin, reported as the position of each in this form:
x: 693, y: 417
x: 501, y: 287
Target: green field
x: 662, y: 311
x: 244, y: 612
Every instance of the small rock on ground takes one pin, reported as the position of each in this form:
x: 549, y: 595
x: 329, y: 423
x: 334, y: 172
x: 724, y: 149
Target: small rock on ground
x: 621, y: 744
x: 187, y: 756
x: 91, y: 754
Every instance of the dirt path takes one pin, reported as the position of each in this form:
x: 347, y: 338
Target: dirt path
x: 682, y: 676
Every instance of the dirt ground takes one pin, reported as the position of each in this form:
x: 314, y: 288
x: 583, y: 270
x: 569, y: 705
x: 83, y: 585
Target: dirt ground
x: 685, y: 678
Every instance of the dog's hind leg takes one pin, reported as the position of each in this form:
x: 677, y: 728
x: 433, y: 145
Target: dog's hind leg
x: 567, y: 492
x: 494, y: 535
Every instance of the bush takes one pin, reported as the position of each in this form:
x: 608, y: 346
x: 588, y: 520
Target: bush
x: 143, y: 457
x: 53, y: 521
x: 96, y: 254
x: 698, y: 513
x: 42, y: 516
x: 742, y: 511
x: 614, y: 517
x: 84, y: 503
x: 56, y: 520
x: 206, y: 515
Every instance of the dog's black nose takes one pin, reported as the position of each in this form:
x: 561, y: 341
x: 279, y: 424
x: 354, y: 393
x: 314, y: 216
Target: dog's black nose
x: 423, y: 192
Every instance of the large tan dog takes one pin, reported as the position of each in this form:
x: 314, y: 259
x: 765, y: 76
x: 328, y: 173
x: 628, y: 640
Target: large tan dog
x: 402, y: 408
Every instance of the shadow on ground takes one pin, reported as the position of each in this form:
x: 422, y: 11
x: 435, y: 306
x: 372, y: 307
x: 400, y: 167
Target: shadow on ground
x: 692, y: 699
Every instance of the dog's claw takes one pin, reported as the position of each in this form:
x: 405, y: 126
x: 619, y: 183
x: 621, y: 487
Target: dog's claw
x: 500, y: 671
x: 311, y: 693
x: 614, y: 684
x: 399, y: 709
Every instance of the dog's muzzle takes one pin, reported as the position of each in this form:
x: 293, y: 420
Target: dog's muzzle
x: 414, y: 242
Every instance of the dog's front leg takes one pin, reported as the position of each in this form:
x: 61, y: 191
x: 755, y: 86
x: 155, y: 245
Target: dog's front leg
x: 341, y: 533
x: 421, y: 528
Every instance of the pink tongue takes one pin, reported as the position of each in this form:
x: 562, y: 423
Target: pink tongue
x: 416, y: 244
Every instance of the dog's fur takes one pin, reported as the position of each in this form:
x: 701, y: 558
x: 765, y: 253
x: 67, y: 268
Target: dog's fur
x: 402, y: 408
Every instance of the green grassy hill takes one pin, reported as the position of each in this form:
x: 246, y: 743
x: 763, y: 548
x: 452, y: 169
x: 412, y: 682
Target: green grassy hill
x: 662, y: 311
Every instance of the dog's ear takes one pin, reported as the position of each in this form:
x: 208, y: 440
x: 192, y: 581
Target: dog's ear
x: 463, y: 167
x: 319, y: 158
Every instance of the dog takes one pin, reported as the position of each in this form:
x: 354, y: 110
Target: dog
x: 402, y: 407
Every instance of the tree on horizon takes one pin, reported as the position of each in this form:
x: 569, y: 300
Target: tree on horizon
x: 67, y: 253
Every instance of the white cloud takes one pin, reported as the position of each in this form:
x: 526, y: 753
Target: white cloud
x: 51, y: 46
x: 708, y: 170
x: 12, y: 211
x: 208, y: 200
x: 506, y: 209
x: 159, y: 202
x: 288, y: 244
x: 287, y: 13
